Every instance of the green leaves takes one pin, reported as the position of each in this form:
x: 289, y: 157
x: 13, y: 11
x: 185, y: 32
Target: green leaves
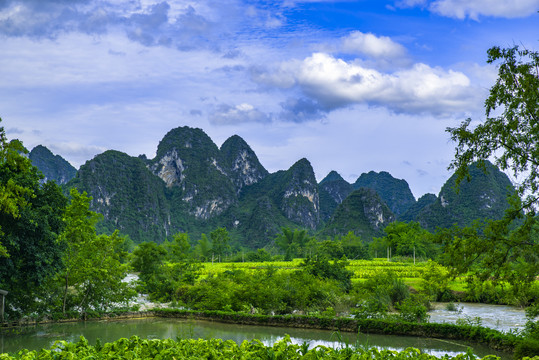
x: 93, y: 268
x: 512, y: 138
x: 137, y: 348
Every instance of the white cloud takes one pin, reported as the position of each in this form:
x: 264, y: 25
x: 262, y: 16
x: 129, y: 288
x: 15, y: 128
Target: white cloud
x: 242, y: 113
x: 372, y: 45
x: 336, y: 83
x: 473, y: 9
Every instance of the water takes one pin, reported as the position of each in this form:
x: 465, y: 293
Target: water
x: 43, y: 336
x: 500, y: 317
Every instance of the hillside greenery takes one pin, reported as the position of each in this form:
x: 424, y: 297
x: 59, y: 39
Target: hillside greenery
x: 394, y: 192
x: 53, y: 167
x: 193, y: 186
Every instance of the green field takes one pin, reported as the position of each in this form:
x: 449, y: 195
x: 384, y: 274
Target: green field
x: 362, y: 269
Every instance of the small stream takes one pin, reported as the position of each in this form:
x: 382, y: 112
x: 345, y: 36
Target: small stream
x: 500, y: 317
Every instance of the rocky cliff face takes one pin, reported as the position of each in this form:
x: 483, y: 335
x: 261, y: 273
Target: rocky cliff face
x: 53, y: 167
x: 190, y: 165
x: 333, y: 190
x: 300, y: 200
x: 362, y: 212
x: 241, y: 163
x: 394, y: 192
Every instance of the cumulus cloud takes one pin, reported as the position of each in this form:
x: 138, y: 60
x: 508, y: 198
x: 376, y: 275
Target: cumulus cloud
x: 420, y: 89
x: 244, y: 113
x: 473, y: 9
x: 371, y: 45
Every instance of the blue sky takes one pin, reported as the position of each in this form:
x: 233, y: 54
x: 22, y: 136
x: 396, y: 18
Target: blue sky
x: 352, y: 86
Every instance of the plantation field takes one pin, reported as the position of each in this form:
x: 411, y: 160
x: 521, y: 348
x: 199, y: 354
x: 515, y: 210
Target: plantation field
x: 362, y: 269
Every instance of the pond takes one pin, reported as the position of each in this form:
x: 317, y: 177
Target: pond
x: 43, y: 336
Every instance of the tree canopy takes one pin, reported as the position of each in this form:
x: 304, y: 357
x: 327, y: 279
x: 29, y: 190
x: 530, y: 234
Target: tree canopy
x: 510, y: 133
x: 30, y: 221
x: 506, y: 249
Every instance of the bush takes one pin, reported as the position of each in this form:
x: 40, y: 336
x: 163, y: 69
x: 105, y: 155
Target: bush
x: 526, y: 347
x: 413, y: 310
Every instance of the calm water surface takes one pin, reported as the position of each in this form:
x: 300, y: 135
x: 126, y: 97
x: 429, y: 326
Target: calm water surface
x: 43, y: 336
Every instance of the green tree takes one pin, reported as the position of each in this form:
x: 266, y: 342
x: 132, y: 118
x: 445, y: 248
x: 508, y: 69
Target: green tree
x: 219, y: 242
x: 511, y: 136
x: 178, y: 248
x: 147, y: 259
x: 353, y: 246
x: 30, y: 221
x: 93, y: 269
x: 292, y: 242
x: 407, y: 239
x: 203, y: 248
x: 506, y: 249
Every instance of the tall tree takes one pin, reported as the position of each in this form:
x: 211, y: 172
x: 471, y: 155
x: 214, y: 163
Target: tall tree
x: 219, y: 240
x: 504, y: 249
x: 30, y: 221
x: 94, y: 269
x: 292, y: 242
x: 511, y: 135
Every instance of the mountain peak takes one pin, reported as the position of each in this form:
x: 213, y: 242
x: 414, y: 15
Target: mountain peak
x: 187, y: 138
x: 53, y: 167
x: 395, y: 192
x: 332, y: 176
x: 241, y: 162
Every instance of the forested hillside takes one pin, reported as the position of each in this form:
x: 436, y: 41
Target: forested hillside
x: 194, y: 186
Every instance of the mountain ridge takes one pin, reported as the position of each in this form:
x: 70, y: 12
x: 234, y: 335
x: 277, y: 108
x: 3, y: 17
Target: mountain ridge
x: 193, y: 186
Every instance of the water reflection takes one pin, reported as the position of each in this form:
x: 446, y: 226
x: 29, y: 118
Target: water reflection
x: 44, y: 336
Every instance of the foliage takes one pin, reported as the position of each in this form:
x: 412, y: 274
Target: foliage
x: 336, y: 270
x: 266, y: 291
x: 94, y: 269
x: 405, y: 239
x: 413, y: 310
x: 178, y: 248
x: 435, y: 282
x: 30, y: 221
x: 220, y: 242
x: 292, y: 242
x: 160, y: 279
x: 137, y: 348
x: 381, y: 292
x: 495, y: 251
x: 512, y: 136
x: 202, y: 249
